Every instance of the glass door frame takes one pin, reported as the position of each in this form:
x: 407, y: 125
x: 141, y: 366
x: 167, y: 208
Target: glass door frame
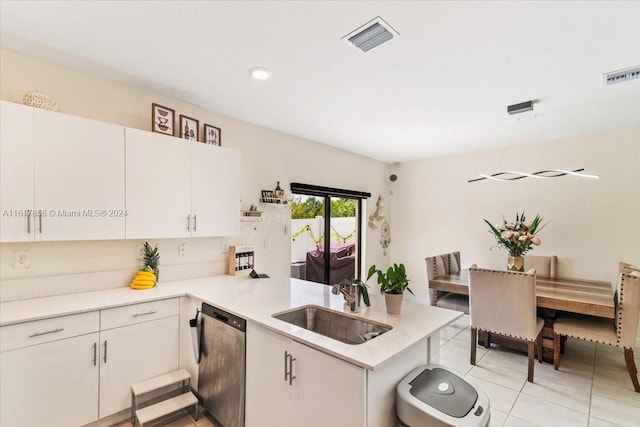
x: 327, y: 193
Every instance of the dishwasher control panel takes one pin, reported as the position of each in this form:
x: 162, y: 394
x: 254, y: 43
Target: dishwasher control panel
x: 224, y: 317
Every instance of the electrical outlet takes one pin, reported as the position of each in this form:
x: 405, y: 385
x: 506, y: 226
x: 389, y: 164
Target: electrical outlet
x: 181, y: 249
x: 266, y: 243
x: 140, y: 252
x: 224, y: 247
x: 22, y: 260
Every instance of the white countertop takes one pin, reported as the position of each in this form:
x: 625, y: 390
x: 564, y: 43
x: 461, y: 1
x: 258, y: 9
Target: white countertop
x: 256, y: 300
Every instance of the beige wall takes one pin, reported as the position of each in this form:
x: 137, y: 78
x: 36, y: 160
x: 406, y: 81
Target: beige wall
x: 591, y: 224
x: 267, y: 156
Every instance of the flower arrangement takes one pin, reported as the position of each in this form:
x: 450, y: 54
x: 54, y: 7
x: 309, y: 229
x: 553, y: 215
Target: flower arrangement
x: 517, y: 237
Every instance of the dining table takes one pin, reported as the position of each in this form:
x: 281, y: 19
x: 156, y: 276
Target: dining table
x: 554, y: 295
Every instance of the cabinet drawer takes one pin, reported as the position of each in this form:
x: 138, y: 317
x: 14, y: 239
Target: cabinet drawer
x: 41, y: 331
x: 137, y: 313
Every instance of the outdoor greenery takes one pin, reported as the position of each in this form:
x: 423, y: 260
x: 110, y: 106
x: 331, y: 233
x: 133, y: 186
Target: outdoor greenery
x: 310, y: 207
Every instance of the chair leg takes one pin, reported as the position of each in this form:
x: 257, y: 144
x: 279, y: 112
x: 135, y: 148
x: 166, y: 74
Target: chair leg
x: 486, y: 339
x: 556, y: 350
x: 540, y: 349
x: 474, y: 342
x: 631, y: 367
x: 531, y: 350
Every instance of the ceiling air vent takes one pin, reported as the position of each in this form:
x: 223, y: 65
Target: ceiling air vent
x: 621, y: 75
x: 370, y: 35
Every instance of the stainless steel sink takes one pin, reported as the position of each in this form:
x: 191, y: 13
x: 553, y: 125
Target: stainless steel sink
x: 333, y: 324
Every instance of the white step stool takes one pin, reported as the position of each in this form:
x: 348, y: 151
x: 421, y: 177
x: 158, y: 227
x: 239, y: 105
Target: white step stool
x: 141, y: 416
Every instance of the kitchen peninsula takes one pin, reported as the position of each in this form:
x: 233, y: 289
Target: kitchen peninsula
x: 354, y: 384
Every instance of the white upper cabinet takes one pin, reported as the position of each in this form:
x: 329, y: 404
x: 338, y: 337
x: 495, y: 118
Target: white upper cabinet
x: 158, y: 185
x: 16, y: 172
x: 79, y: 174
x: 215, y: 185
x: 69, y: 169
x: 180, y: 188
x: 64, y: 177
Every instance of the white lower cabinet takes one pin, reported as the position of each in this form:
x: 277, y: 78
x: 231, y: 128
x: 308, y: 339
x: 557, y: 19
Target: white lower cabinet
x: 49, y: 372
x: 322, y: 391
x: 65, y: 371
x: 133, y: 353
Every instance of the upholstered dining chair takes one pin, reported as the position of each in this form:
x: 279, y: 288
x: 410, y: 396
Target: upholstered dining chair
x: 619, y: 332
x: 544, y: 265
x: 504, y: 302
x: 440, y: 265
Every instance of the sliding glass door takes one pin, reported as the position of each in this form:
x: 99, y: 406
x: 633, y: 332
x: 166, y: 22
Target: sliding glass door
x: 325, y: 233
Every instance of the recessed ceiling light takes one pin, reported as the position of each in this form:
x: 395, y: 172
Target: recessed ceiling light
x: 260, y: 73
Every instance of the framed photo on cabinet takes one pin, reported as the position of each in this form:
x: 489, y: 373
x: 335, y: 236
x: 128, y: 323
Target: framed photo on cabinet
x: 212, y: 135
x: 162, y: 119
x: 189, y: 128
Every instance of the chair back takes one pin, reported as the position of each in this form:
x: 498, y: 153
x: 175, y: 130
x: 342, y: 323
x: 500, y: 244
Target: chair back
x: 628, y: 308
x: 440, y: 265
x: 503, y: 302
x: 544, y: 265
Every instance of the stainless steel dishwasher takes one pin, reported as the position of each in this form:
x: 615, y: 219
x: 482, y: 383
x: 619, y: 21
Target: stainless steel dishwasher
x: 221, y: 375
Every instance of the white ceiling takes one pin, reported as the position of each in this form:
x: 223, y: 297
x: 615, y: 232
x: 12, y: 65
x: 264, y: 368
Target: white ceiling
x: 441, y: 87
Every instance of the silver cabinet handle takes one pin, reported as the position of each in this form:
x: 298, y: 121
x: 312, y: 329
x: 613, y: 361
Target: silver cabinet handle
x: 104, y: 357
x: 40, y: 222
x: 288, y: 370
x: 145, y: 314
x: 29, y: 223
x: 188, y: 222
x: 53, y: 331
x: 95, y: 353
x: 195, y: 222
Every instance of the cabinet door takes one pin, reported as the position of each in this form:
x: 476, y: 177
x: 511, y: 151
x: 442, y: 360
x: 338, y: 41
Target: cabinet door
x: 324, y: 378
x: 52, y: 384
x: 16, y: 172
x: 79, y: 177
x: 158, y: 185
x: 215, y: 187
x: 268, y: 395
x: 133, y: 353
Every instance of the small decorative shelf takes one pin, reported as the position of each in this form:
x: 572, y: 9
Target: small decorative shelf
x: 251, y: 216
x: 273, y: 201
x: 241, y: 260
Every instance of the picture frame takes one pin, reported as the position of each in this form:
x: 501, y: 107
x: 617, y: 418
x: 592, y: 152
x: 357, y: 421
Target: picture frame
x: 189, y: 128
x: 267, y: 196
x: 212, y: 135
x: 162, y: 119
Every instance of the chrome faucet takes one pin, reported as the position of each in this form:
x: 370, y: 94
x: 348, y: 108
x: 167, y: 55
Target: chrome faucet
x: 351, y: 293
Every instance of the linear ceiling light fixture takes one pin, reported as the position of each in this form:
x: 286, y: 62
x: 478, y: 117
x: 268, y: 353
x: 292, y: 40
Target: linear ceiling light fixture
x: 371, y: 35
x: 551, y: 173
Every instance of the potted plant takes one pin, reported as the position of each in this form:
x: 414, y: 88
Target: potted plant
x: 517, y: 237
x: 392, y: 283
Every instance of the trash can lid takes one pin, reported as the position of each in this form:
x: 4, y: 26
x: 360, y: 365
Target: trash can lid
x: 444, y: 391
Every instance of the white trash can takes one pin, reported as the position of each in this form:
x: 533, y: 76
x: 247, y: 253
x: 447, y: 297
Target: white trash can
x: 430, y: 395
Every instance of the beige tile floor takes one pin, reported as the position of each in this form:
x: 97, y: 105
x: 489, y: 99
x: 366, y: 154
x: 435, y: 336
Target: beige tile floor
x: 591, y: 389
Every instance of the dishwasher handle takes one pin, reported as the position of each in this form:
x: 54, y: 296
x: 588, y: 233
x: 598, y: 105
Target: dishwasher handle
x: 195, y: 337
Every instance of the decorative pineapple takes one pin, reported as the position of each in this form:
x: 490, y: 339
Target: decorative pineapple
x: 152, y: 258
